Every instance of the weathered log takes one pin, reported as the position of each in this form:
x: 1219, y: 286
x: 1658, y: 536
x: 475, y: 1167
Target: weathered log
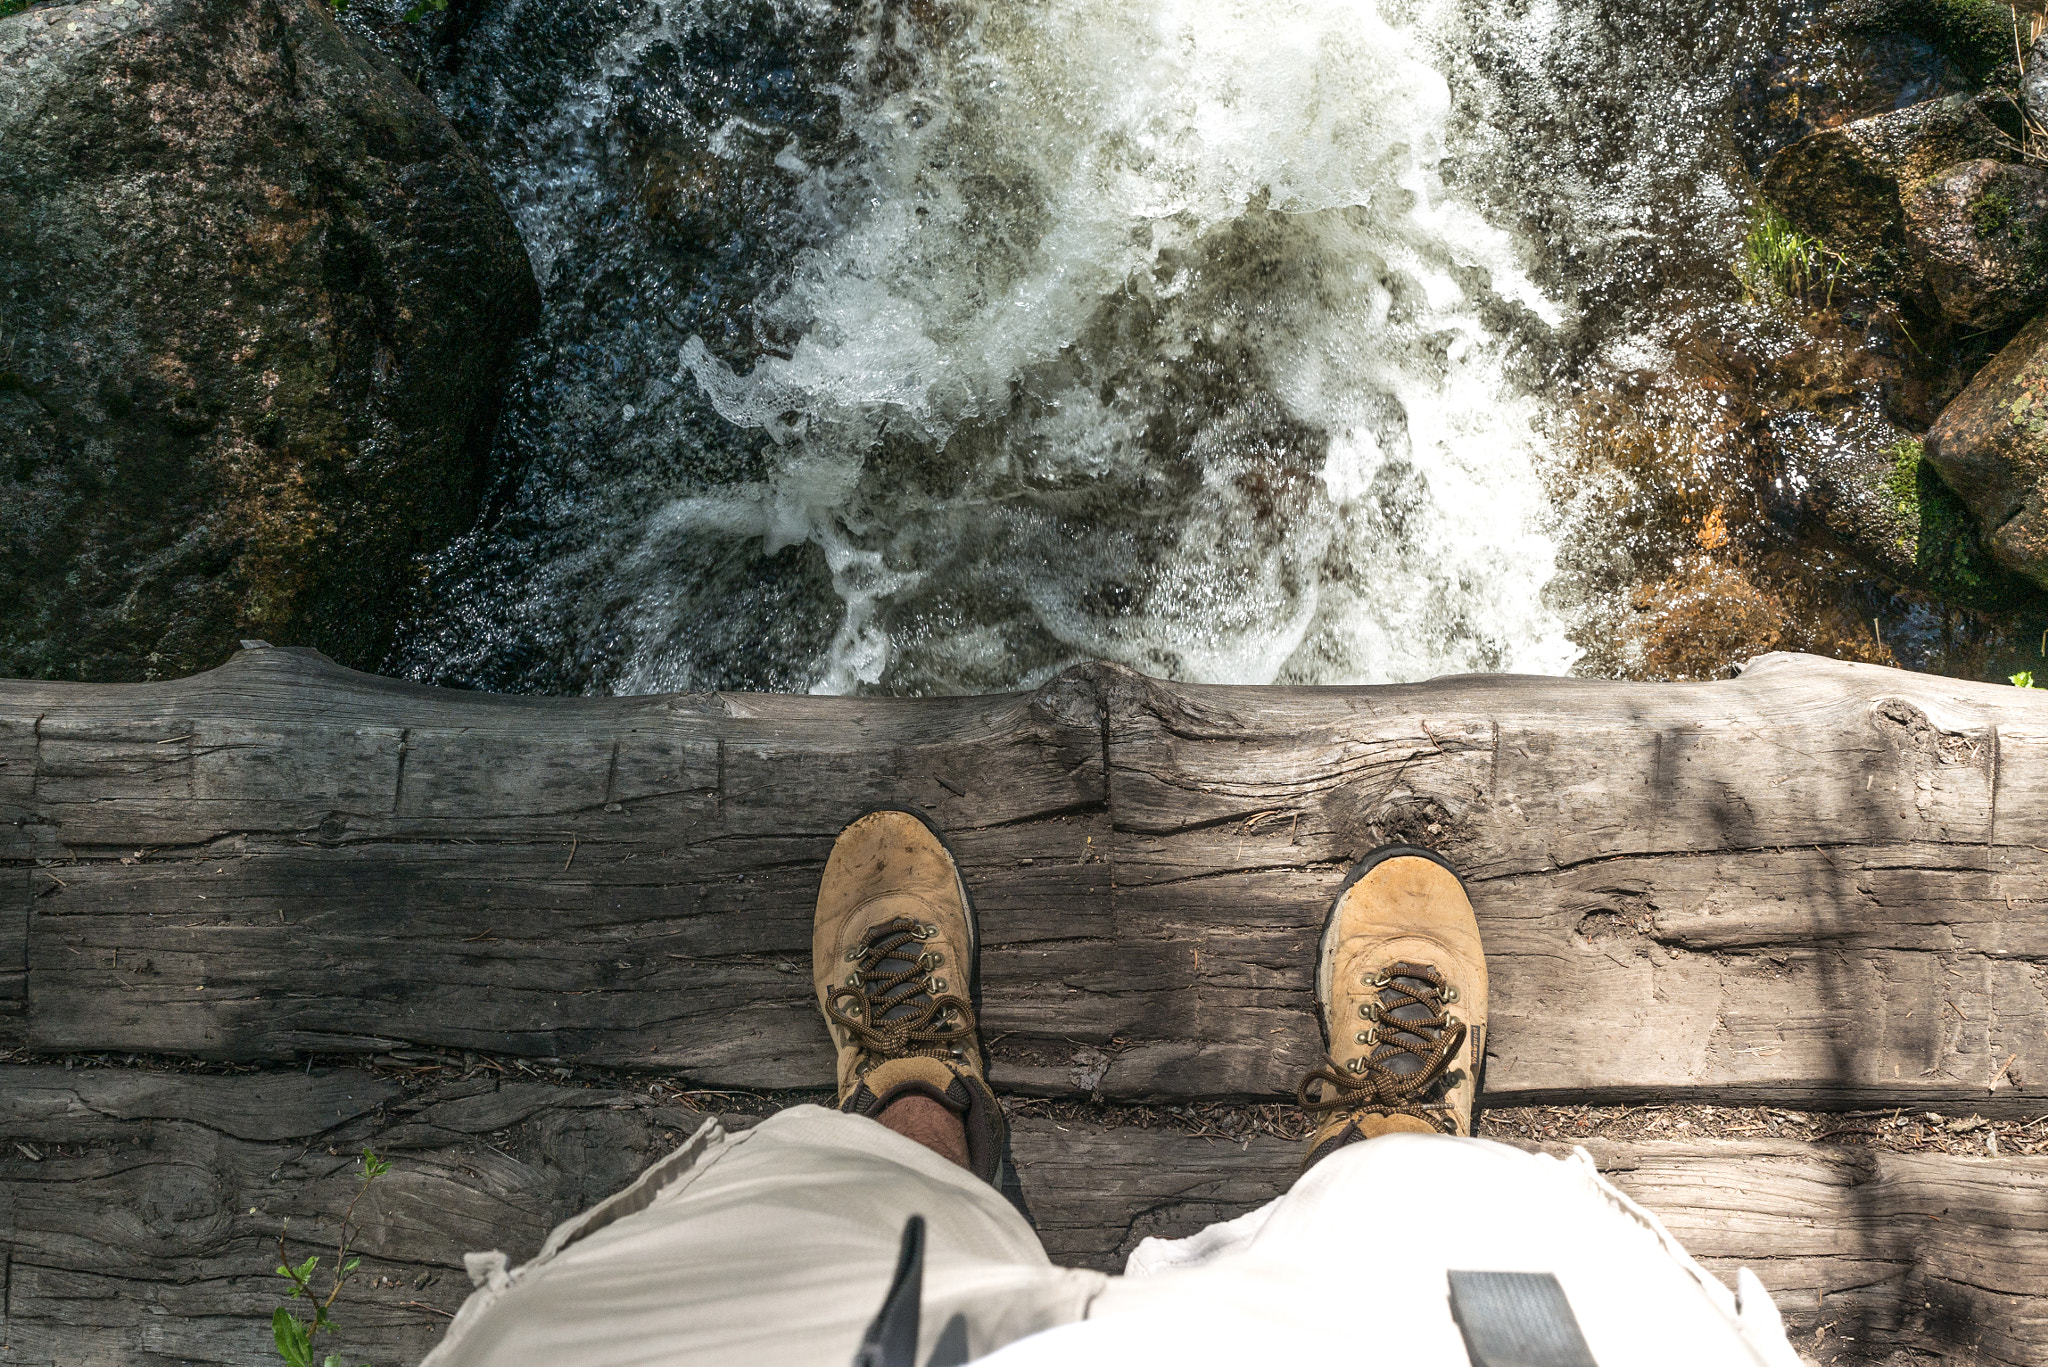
x: 1817, y: 884
x: 140, y: 1211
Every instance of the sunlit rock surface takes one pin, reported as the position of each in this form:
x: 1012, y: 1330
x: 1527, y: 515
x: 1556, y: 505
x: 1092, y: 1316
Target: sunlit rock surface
x: 256, y: 301
x: 1845, y: 184
x: 1978, y: 232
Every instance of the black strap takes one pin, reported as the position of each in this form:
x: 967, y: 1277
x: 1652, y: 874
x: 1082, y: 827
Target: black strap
x: 891, y: 1341
x: 1517, y: 1319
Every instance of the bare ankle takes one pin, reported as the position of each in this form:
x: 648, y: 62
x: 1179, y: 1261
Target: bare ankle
x: 924, y: 1120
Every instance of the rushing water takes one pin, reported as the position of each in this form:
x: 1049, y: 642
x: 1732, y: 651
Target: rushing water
x: 932, y: 347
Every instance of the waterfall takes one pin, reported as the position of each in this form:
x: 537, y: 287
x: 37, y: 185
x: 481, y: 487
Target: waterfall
x: 932, y: 347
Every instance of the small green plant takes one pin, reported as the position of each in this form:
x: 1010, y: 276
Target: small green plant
x: 2023, y: 679
x: 1779, y: 260
x: 295, y: 1336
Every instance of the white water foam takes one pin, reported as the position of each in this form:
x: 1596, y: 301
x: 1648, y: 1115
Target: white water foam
x: 1045, y: 165
x: 1142, y: 330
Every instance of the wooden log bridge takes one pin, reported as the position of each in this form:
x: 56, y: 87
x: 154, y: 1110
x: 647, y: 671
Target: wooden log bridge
x: 1817, y: 886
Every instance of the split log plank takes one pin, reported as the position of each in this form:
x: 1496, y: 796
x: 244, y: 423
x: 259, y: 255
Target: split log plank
x: 143, y: 1229
x: 1817, y: 884
x: 140, y: 1212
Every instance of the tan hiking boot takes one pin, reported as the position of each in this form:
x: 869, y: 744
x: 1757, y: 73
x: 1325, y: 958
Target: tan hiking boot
x: 894, y: 954
x: 1402, y: 986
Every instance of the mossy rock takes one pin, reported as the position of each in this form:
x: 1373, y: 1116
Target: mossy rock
x: 1975, y: 35
x: 1844, y: 186
x: 1948, y: 553
x: 1991, y: 446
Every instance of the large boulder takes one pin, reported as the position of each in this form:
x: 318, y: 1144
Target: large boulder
x: 257, y: 304
x: 1844, y: 185
x: 1978, y: 233
x: 1991, y: 446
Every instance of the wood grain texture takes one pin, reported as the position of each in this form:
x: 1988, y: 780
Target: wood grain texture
x: 139, y: 1211
x: 1817, y: 884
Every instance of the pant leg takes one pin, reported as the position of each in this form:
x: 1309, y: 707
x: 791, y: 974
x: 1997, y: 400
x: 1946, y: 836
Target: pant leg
x: 769, y: 1246
x: 1351, y: 1264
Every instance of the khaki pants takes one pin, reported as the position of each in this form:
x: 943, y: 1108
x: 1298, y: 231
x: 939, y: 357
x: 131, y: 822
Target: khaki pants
x: 775, y: 1246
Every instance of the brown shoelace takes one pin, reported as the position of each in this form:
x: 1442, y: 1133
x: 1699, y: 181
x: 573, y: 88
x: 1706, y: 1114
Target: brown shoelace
x: 895, y: 1004
x: 1403, y: 1073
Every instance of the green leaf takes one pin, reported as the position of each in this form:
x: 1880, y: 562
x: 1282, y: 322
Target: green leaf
x: 2023, y: 679
x: 294, y: 1343
x: 353, y: 1264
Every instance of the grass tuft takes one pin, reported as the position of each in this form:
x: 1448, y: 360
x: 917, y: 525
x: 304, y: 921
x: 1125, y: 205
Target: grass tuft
x: 1779, y: 261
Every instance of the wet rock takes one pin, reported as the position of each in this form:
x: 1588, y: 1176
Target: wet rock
x: 1978, y: 232
x: 2034, y: 85
x: 1844, y: 184
x: 1974, y: 35
x: 257, y: 302
x: 1991, y: 446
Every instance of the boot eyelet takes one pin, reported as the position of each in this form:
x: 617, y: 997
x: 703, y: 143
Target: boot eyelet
x: 1370, y: 1010
x: 1365, y: 1037
x: 1450, y: 993
x: 853, y: 955
x: 925, y: 932
x: 929, y: 960
x: 938, y: 984
x: 1380, y: 979
x: 853, y: 979
x: 1356, y: 1065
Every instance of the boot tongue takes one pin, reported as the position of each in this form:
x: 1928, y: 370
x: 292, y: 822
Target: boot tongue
x: 906, y: 998
x: 1390, y: 1055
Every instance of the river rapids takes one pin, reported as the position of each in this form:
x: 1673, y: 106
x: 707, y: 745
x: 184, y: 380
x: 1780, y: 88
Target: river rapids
x: 932, y: 347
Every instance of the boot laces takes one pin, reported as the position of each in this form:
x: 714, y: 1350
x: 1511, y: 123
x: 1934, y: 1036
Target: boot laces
x: 896, y: 1003
x: 1412, y: 1040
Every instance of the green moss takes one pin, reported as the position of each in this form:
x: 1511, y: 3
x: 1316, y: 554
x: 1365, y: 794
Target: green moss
x: 1977, y: 35
x: 8, y: 7
x: 1993, y: 214
x: 1902, y: 482
x: 1951, y: 557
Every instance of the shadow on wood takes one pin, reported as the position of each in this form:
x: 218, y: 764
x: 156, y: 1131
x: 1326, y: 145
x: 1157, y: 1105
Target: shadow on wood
x: 1817, y: 885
